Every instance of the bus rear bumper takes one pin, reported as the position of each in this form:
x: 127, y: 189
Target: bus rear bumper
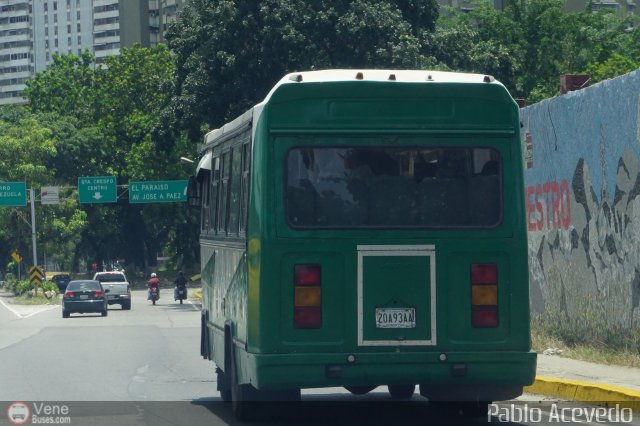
x: 459, y: 372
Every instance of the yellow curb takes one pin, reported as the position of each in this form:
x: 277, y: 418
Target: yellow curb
x: 574, y: 390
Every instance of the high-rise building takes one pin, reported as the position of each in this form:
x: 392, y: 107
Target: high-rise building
x: 31, y: 31
x: 16, y: 53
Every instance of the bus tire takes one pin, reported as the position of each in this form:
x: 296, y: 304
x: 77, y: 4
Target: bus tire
x: 401, y: 391
x: 360, y: 390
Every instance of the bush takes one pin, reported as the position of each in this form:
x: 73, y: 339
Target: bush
x: 21, y: 287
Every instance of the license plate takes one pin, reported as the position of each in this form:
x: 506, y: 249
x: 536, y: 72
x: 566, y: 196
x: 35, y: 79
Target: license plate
x: 395, y: 318
x: 84, y: 296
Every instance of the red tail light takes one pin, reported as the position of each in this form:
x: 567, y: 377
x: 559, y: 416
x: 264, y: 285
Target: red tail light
x: 307, y: 303
x: 484, y: 295
x: 484, y: 316
x: 306, y: 275
x: 307, y: 317
x: 98, y: 293
x: 68, y: 294
x: 484, y: 273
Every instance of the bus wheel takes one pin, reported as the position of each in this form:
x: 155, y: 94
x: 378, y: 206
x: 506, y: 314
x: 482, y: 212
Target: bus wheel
x: 360, y: 390
x: 401, y: 391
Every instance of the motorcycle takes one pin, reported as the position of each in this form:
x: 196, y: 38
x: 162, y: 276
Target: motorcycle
x: 154, y: 295
x: 180, y: 293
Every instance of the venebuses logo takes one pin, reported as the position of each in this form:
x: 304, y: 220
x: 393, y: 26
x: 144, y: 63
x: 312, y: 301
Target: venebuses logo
x: 18, y: 413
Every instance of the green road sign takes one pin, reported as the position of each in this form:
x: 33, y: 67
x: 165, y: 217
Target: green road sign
x: 170, y: 191
x: 101, y: 189
x: 13, y: 194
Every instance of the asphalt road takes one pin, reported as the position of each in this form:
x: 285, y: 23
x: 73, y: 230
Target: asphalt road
x: 142, y: 367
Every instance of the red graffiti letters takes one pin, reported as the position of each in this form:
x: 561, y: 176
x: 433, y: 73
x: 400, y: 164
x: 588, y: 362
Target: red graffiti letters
x: 548, y: 206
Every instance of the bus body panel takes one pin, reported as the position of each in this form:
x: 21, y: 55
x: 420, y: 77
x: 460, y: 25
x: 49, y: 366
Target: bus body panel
x: 357, y: 265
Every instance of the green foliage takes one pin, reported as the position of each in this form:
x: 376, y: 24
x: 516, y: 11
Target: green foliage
x: 107, y: 121
x: 230, y: 53
x: 614, y: 66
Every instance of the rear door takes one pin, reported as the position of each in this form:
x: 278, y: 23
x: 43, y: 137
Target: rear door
x: 396, y: 295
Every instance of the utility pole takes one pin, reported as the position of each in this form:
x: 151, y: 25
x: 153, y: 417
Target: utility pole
x: 33, y: 232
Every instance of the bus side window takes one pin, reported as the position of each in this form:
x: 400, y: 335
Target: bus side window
x: 224, y: 193
x: 204, y: 184
x: 215, y: 185
x: 244, y: 201
x: 234, y: 192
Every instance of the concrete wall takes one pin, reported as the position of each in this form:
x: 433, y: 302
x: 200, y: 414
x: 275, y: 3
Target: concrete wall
x: 583, y: 209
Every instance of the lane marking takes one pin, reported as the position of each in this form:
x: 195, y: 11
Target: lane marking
x: 10, y: 309
x: 48, y: 308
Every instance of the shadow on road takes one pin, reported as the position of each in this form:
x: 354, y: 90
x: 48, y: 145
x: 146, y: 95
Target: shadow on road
x: 342, y: 413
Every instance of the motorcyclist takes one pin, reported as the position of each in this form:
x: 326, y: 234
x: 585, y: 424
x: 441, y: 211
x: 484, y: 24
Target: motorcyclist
x: 153, y: 282
x: 179, y: 282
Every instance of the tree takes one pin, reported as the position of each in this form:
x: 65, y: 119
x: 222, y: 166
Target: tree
x: 230, y: 53
x: 107, y: 126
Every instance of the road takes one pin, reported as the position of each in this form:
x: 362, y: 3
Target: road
x: 142, y: 367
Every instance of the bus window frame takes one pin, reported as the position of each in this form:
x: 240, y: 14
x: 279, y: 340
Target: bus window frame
x: 504, y: 153
x: 234, y: 146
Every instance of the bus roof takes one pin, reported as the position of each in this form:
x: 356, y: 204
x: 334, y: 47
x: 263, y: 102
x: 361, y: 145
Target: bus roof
x: 407, y: 76
x: 350, y: 75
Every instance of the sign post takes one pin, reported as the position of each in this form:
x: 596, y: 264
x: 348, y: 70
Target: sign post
x: 35, y: 277
x: 15, y: 255
x: 100, y: 189
x: 13, y: 194
x: 169, y: 191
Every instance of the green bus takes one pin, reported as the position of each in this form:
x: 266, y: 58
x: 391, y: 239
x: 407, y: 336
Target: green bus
x: 367, y: 228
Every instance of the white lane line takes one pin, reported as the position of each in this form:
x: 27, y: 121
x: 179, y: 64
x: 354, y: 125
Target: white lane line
x: 9, y: 308
x: 48, y: 308
x: 195, y: 308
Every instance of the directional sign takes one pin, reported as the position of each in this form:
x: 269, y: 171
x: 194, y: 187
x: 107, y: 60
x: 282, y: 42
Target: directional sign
x: 97, y: 189
x: 16, y: 256
x: 13, y: 194
x: 169, y: 191
x: 35, y: 275
x: 50, y: 195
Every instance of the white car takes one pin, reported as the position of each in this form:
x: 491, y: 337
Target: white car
x: 117, y: 288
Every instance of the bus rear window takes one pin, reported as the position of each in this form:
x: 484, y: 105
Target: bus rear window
x: 393, y: 187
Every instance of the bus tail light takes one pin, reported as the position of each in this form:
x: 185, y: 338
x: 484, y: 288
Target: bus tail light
x: 484, y: 295
x: 307, y: 305
x: 306, y: 275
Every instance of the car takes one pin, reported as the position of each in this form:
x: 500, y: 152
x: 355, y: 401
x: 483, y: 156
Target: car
x: 60, y: 278
x: 117, y: 287
x: 84, y: 296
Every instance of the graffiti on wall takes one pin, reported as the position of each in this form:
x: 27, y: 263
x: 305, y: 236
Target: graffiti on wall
x: 583, y: 204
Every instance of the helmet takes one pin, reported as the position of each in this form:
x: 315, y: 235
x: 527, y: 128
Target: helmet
x: 153, y: 275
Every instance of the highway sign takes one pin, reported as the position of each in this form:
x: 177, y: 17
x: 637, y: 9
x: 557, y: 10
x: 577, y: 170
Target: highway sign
x: 35, y: 275
x: 169, y: 191
x: 16, y: 256
x: 97, y: 189
x: 50, y: 195
x: 13, y: 194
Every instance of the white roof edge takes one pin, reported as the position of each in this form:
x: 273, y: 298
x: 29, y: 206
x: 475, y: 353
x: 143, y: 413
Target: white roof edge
x: 229, y: 127
x: 401, y: 76
x: 333, y: 75
x: 204, y: 163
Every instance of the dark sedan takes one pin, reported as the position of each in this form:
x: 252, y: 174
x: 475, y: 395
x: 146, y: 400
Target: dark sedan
x: 84, y: 296
x: 61, y: 279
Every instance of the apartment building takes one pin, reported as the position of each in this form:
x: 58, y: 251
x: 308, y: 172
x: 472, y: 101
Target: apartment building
x: 31, y: 31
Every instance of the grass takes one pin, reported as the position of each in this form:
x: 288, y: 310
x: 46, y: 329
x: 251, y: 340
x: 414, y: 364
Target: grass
x: 40, y: 300
x: 599, y: 354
